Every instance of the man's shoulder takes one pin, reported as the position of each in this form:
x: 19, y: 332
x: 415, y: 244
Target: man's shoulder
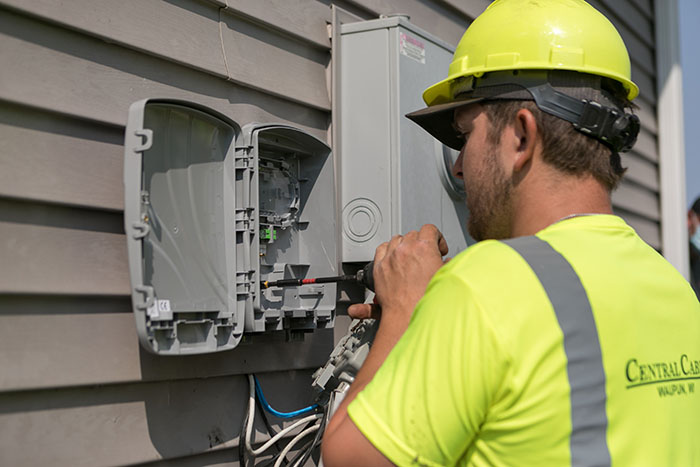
x: 485, y: 258
x: 486, y: 268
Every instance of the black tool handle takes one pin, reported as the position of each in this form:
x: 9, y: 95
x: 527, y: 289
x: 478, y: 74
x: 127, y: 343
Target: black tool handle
x: 298, y: 282
x: 365, y: 276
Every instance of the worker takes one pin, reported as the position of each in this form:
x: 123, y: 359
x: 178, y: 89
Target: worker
x: 560, y: 338
x: 694, y: 247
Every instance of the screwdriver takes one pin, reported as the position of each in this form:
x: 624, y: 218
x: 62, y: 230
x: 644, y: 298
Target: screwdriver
x: 364, y: 276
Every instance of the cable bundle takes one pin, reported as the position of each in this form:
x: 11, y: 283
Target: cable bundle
x: 314, y: 423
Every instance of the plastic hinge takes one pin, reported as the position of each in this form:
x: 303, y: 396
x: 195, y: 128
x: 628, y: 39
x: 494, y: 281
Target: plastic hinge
x: 146, y: 140
x: 149, y: 295
x: 141, y: 229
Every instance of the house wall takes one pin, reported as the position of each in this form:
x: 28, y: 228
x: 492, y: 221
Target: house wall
x: 75, y: 386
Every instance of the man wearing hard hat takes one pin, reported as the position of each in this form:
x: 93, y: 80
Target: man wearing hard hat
x: 561, y: 338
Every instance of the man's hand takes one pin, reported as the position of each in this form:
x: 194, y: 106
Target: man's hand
x: 402, y: 269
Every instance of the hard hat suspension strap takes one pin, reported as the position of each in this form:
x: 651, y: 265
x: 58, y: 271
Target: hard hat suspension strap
x: 610, y: 125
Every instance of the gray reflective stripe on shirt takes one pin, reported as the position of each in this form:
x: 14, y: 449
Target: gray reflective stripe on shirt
x: 589, y: 420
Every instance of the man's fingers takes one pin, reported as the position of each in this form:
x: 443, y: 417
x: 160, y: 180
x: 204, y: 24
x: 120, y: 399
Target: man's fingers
x: 365, y: 311
x: 380, y: 252
x: 442, y: 246
x: 386, y: 248
x: 431, y: 233
x: 393, y: 243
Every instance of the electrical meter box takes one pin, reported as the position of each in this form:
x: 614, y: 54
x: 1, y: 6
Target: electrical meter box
x: 211, y: 209
x: 395, y: 176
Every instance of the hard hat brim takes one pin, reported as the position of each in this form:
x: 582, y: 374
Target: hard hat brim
x: 438, y: 121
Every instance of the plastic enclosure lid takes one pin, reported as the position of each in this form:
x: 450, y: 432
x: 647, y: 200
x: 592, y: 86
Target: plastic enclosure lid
x: 188, y: 235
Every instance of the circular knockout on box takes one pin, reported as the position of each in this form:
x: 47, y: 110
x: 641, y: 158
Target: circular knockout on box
x: 361, y: 219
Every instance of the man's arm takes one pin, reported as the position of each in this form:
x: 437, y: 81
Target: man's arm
x: 402, y: 269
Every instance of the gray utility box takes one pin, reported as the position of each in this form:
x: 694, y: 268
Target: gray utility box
x: 395, y: 176
x: 211, y: 210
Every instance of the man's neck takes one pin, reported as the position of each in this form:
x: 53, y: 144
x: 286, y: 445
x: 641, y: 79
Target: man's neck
x: 541, y: 205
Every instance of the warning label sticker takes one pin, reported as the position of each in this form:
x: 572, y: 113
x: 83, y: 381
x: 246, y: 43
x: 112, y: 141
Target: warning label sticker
x: 411, y: 47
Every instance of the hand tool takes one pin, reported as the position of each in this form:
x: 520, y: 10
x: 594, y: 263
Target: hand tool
x: 364, y: 276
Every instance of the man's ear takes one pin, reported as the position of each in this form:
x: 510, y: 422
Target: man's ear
x: 525, y: 138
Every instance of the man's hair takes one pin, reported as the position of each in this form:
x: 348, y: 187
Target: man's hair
x: 564, y: 147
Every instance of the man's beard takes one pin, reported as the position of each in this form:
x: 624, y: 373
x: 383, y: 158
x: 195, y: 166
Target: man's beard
x: 489, y: 201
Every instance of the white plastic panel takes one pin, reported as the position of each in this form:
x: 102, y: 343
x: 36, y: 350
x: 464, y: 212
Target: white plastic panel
x: 185, y: 233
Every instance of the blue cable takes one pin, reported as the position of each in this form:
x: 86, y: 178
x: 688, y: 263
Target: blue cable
x: 266, y: 406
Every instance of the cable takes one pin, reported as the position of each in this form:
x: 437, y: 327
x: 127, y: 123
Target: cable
x: 251, y: 413
x: 276, y: 413
x: 271, y: 441
x: 302, y: 452
x: 294, y: 441
x: 308, y: 451
x: 242, y: 442
x: 250, y: 419
x: 271, y: 431
x: 316, y: 441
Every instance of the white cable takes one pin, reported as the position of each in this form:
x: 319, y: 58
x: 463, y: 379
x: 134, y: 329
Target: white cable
x: 251, y: 415
x: 294, y: 441
x: 305, y: 447
x: 274, y: 439
x: 282, y: 433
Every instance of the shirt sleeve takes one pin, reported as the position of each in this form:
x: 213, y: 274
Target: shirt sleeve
x: 427, y: 401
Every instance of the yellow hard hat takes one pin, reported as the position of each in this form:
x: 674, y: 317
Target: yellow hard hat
x: 539, y: 50
x: 537, y: 35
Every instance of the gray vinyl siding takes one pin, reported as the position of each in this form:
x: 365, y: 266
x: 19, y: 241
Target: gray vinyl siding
x: 637, y: 199
x: 75, y: 386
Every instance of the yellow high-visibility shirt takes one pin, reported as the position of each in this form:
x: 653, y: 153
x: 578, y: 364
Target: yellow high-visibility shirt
x: 482, y: 375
